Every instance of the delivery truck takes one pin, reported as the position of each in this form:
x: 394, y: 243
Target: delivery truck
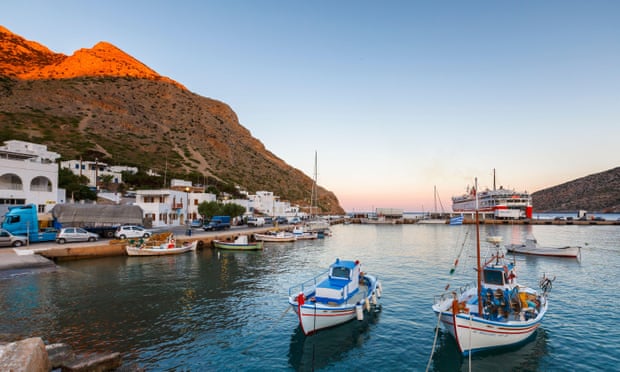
x: 43, y: 227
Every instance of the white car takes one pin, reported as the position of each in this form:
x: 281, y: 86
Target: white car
x: 256, y: 221
x: 75, y: 234
x: 131, y: 231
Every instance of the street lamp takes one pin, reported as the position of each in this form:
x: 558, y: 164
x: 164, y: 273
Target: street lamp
x: 189, y: 229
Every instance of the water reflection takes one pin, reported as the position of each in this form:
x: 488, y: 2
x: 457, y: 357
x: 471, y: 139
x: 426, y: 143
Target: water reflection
x: 309, y: 353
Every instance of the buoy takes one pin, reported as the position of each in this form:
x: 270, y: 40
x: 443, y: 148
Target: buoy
x: 374, y: 298
x: 300, y: 298
x: 359, y: 311
x: 367, y: 304
x: 379, y: 289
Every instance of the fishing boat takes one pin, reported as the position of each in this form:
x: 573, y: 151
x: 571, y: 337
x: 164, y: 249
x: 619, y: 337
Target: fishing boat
x: 240, y: 243
x: 494, y: 312
x: 336, y: 296
x: 276, y: 236
x: 530, y: 246
x: 155, y: 246
x: 495, y: 239
x: 302, y: 234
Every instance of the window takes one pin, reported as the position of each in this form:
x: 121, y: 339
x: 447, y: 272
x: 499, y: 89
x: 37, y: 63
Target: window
x: 340, y: 272
x: 494, y: 277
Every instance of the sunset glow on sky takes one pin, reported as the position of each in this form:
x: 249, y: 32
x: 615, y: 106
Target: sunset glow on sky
x: 396, y: 97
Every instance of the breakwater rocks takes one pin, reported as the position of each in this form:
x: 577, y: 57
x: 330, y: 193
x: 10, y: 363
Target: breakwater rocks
x: 32, y: 354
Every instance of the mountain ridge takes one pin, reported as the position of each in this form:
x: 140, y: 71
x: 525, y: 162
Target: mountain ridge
x: 103, y: 103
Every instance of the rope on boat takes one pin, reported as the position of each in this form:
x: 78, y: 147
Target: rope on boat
x: 268, y: 329
x: 434, y: 342
x: 456, y: 262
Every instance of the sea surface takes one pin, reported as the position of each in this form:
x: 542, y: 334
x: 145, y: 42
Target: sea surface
x: 218, y: 311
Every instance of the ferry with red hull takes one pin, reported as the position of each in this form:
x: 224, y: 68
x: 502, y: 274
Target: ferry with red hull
x: 503, y: 203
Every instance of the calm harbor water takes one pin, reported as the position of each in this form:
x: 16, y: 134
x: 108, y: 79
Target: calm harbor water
x: 216, y: 310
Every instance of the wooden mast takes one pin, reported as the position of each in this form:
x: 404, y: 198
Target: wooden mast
x: 479, y: 269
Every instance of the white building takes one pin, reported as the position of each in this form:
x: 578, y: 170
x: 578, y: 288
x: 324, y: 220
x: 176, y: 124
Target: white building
x: 94, y: 170
x: 29, y: 174
x: 172, y: 207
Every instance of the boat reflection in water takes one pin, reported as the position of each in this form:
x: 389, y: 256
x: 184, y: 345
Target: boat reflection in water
x: 326, y: 346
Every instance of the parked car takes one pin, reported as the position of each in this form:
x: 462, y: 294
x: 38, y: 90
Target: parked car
x: 256, y: 221
x: 268, y: 220
x: 9, y: 240
x: 196, y: 224
x: 75, y: 234
x: 281, y: 221
x: 131, y: 231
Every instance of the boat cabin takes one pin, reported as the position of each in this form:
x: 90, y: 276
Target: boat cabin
x: 341, y: 284
x: 498, y: 276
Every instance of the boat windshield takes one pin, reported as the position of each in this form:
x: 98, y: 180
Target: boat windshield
x: 495, y: 277
x: 340, y: 272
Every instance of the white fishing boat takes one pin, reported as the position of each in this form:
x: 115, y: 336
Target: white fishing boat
x: 494, y: 312
x: 495, y: 239
x: 336, y: 296
x: 531, y: 247
x: 302, y: 234
x: 241, y: 243
x: 276, y: 236
x: 155, y: 246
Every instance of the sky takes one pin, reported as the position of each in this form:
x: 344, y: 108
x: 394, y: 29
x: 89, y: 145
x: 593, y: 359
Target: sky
x: 395, y: 97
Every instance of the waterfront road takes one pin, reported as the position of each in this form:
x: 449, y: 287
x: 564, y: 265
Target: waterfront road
x: 28, y: 258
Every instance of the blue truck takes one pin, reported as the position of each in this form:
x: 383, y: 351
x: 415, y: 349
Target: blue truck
x: 217, y: 223
x: 43, y: 227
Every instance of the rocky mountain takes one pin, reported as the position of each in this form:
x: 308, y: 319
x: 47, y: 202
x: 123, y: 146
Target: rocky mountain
x: 103, y: 103
x: 598, y: 192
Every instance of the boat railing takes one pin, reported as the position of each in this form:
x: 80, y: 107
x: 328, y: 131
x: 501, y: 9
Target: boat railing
x: 309, y: 286
x: 449, y: 294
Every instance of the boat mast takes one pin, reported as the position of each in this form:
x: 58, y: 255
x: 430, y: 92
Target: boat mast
x: 313, y: 197
x: 479, y: 269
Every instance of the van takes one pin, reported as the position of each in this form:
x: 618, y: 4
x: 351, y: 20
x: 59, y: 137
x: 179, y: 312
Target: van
x: 256, y: 221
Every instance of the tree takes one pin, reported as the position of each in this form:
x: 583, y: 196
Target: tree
x: 75, y: 186
x: 208, y: 209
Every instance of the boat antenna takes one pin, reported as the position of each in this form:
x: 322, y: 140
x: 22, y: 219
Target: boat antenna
x: 479, y: 269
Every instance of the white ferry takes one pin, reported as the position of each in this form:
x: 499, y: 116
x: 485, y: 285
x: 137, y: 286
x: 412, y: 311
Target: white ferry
x: 503, y: 203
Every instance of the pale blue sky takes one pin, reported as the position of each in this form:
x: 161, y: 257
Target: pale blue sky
x: 395, y: 96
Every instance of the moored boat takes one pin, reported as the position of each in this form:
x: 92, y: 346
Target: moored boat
x: 531, y: 247
x: 302, y: 234
x: 240, y: 243
x: 276, y: 236
x: 336, y: 296
x: 157, y: 247
x: 496, y: 311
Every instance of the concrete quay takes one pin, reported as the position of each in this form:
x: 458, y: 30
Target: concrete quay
x: 42, y: 256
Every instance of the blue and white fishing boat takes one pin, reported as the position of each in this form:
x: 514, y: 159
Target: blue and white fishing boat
x: 334, y: 297
x: 496, y: 311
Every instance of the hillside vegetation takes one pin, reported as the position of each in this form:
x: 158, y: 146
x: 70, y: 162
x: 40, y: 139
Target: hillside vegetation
x: 103, y: 104
x: 598, y: 192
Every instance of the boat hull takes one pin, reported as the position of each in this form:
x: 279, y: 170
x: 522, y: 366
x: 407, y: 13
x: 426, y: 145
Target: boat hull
x: 314, y: 316
x: 238, y: 247
x: 571, y: 251
x: 275, y: 238
x: 474, y: 334
x: 160, y: 251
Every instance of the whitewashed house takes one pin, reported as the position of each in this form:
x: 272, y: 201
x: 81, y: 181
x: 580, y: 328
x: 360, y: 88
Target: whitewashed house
x: 29, y: 174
